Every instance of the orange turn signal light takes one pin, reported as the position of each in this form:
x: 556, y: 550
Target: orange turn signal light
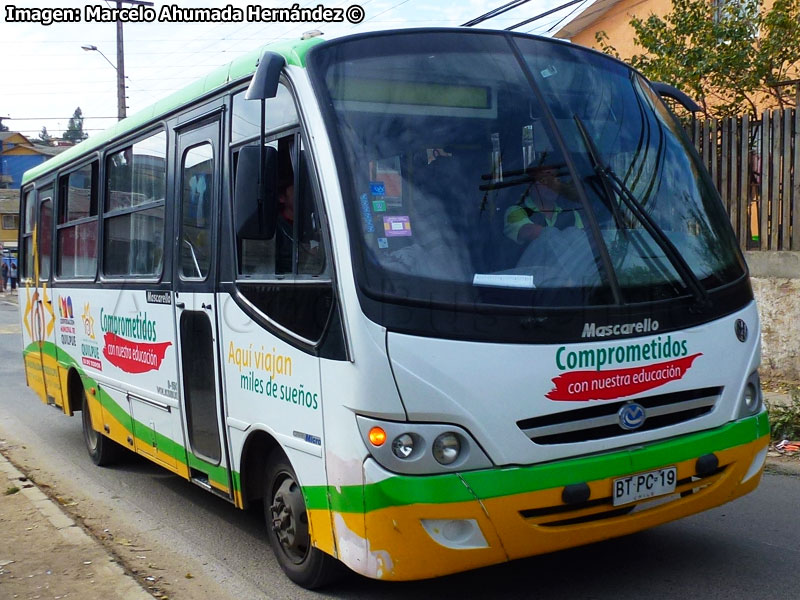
x: 377, y: 436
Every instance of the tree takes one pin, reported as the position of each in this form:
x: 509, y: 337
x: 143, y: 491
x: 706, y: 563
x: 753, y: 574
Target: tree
x: 74, y: 132
x: 44, y: 136
x: 730, y: 55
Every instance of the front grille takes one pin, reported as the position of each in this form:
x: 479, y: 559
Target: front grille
x: 601, y: 420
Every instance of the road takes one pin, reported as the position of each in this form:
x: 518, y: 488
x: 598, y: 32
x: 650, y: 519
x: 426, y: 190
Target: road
x: 747, y: 549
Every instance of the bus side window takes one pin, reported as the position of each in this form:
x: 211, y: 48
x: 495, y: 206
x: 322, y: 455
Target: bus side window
x: 311, y: 251
x: 296, y: 248
x: 77, y: 223
x: 28, y: 225
x: 133, y: 235
x: 246, y: 119
x: 284, y: 277
x: 197, y: 173
x: 45, y: 235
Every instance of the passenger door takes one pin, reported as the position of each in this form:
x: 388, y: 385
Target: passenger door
x: 197, y: 194
x: 39, y: 317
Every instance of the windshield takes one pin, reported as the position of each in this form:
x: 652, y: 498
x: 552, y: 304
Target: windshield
x: 468, y: 181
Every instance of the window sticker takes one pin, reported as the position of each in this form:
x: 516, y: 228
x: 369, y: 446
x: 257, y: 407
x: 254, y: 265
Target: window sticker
x: 549, y: 71
x: 366, y: 214
x: 383, y: 242
x: 393, y: 203
x: 388, y: 171
x: 379, y: 205
x: 397, y: 226
x: 508, y: 281
x: 377, y: 188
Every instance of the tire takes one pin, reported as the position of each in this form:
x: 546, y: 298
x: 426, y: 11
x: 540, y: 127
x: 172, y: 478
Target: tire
x: 102, y: 450
x: 287, y: 528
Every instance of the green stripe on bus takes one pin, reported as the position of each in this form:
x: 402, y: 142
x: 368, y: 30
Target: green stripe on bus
x: 215, y: 473
x: 494, y: 483
x: 165, y: 445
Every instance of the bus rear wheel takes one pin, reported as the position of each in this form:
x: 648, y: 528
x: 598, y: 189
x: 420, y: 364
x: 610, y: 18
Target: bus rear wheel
x: 102, y: 450
x: 288, y: 531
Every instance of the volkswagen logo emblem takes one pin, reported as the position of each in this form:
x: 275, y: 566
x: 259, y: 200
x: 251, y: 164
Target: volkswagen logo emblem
x: 741, y: 330
x: 631, y: 416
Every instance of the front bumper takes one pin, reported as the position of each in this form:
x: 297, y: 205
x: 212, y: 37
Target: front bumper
x: 394, y: 531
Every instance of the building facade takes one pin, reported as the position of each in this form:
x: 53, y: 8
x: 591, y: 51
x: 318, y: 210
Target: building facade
x: 9, y: 222
x: 17, y: 155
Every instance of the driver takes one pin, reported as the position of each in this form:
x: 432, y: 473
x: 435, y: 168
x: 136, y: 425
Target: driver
x: 540, y: 207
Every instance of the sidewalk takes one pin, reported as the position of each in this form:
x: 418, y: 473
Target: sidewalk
x: 45, y: 554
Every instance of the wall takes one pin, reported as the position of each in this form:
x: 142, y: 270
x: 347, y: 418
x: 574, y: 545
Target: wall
x: 9, y: 205
x: 616, y: 23
x: 776, y: 283
x: 16, y: 165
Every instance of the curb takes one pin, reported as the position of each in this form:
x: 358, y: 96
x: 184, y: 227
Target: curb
x: 126, y: 586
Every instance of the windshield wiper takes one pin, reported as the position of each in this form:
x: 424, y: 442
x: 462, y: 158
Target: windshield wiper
x: 612, y: 185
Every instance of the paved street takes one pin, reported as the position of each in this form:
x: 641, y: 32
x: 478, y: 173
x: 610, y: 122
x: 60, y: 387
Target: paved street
x: 748, y: 549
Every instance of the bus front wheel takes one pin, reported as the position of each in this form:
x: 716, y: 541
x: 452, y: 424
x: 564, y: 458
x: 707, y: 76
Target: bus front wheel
x: 288, y: 531
x: 102, y: 450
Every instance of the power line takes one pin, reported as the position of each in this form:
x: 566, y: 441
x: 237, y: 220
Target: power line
x: 543, y: 27
x: 383, y: 12
x: 567, y: 16
x: 493, y: 13
x: 544, y: 14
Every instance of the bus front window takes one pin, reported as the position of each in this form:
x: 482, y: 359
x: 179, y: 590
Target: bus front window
x: 467, y: 181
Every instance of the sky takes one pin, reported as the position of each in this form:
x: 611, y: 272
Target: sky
x: 45, y: 75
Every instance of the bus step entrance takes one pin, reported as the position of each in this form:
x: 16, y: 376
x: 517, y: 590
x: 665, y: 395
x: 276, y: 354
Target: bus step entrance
x: 201, y: 479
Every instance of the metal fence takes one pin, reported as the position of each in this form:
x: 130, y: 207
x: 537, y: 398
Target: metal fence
x: 755, y: 164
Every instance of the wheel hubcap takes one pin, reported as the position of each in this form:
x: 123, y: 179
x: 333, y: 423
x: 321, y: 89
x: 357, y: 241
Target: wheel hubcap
x: 88, y: 430
x: 289, y: 520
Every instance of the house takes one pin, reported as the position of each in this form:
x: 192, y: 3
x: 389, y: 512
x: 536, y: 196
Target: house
x: 613, y: 17
x: 9, y: 222
x: 17, y: 155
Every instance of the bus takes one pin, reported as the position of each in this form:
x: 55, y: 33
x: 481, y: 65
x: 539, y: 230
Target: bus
x: 435, y: 299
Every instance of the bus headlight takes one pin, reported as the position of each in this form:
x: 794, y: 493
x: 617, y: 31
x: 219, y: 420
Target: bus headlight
x: 751, y: 401
x: 446, y: 448
x: 422, y: 448
x: 403, y: 446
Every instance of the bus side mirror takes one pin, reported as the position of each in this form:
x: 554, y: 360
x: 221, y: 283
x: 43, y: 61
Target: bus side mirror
x: 255, y: 206
x: 264, y: 83
x: 668, y: 91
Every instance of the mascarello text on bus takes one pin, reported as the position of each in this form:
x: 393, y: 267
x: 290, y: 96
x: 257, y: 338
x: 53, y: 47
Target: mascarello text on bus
x: 436, y: 298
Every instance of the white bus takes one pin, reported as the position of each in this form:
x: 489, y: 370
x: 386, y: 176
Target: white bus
x: 437, y: 299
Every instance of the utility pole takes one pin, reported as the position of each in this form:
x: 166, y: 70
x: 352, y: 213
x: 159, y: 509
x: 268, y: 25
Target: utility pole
x: 121, y: 108
x: 121, y: 112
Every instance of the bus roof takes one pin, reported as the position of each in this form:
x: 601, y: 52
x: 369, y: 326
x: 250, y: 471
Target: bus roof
x: 294, y: 51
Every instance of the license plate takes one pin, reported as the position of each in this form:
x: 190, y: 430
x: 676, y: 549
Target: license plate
x: 644, y: 485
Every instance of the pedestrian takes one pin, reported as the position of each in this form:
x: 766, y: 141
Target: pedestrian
x: 4, y: 276
x: 13, y: 272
